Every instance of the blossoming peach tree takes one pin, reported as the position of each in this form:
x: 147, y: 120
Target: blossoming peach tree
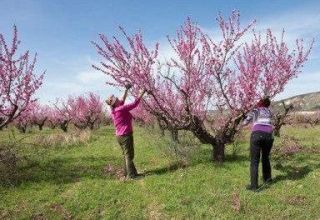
x: 82, y: 111
x: 18, y: 82
x: 211, y: 82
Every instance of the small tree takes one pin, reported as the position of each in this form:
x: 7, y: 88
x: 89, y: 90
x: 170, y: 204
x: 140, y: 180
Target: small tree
x: 24, y: 120
x: 63, y: 114
x: 86, y: 111
x: 18, y: 82
x: 53, y: 117
x: 280, y: 117
x: 39, y: 114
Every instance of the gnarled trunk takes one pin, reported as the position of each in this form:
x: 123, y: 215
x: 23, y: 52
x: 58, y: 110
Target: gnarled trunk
x: 162, y: 127
x: 22, y: 129
x: 174, y: 135
x: 64, y: 126
x: 276, y: 131
x: 218, y: 152
x: 218, y: 147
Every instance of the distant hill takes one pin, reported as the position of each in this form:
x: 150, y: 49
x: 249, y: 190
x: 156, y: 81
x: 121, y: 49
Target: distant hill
x: 303, y: 102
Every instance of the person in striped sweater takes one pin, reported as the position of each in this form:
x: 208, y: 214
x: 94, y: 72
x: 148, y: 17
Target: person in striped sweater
x: 261, y: 141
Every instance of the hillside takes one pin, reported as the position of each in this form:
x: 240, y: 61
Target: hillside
x: 304, y: 102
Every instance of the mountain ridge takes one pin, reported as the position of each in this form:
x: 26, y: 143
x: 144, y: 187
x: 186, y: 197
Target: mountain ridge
x: 303, y: 102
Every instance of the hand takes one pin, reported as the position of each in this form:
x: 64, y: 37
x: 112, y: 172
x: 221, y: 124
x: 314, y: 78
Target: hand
x: 128, y: 86
x: 142, y: 92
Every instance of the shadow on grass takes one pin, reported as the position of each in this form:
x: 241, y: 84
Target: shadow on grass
x: 236, y: 158
x: 60, y: 170
x: 294, y: 172
x: 291, y: 172
x: 168, y: 169
x: 181, y: 164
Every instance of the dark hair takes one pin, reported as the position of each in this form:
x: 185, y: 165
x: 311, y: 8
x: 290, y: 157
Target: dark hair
x: 264, y: 102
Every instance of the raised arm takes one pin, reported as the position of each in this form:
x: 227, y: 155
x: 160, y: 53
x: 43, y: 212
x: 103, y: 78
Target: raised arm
x: 132, y: 105
x: 125, y: 95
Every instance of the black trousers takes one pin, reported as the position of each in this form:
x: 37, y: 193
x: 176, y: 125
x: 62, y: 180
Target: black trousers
x: 260, y: 142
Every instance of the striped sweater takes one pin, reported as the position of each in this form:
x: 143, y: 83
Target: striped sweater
x: 261, y: 119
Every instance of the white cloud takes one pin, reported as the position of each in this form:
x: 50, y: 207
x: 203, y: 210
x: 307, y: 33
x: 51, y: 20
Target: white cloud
x: 81, y: 82
x: 91, y: 77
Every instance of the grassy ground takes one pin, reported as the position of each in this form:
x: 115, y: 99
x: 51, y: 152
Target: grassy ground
x: 80, y: 181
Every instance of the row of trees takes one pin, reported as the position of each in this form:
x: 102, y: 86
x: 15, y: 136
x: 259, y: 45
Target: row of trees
x: 211, y: 82
x: 81, y: 111
x: 18, y: 85
x: 207, y: 87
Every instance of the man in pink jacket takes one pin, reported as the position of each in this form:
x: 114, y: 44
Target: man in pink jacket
x: 122, y: 120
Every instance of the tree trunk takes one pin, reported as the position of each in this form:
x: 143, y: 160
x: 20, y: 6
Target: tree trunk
x: 80, y: 126
x: 91, y: 125
x: 64, y: 126
x: 218, y: 146
x: 1, y: 120
x: 40, y: 126
x: 276, y: 131
x: 161, y: 132
x: 218, y: 152
x: 161, y: 127
x: 22, y: 129
x: 174, y: 135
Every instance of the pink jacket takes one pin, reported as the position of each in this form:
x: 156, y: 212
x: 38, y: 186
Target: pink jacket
x: 122, y: 118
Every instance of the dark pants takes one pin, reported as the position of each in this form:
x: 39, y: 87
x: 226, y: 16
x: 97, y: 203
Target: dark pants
x: 126, y: 143
x: 260, y: 142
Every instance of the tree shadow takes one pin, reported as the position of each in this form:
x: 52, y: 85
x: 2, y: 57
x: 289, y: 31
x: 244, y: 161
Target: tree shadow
x: 167, y: 169
x: 292, y: 172
x: 60, y: 170
x: 172, y: 167
x: 232, y: 158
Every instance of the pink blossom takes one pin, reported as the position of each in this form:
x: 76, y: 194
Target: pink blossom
x: 18, y: 82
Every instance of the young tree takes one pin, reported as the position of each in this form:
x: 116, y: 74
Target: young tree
x: 18, y: 82
x: 24, y: 120
x: 39, y: 114
x: 279, y: 118
x: 54, y: 117
x: 205, y: 76
x: 141, y: 115
x: 86, y: 111
x: 63, y: 114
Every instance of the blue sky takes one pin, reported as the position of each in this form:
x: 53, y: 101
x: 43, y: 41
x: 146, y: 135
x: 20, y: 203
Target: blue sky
x: 61, y: 31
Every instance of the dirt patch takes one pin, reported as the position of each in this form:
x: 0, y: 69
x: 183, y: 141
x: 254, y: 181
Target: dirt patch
x: 288, y: 146
x: 155, y: 211
x: 312, y: 150
x: 38, y: 217
x: 59, y: 209
x: 114, y: 171
x: 296, y: 200
x: 5, y: 214
x: 235, y: 202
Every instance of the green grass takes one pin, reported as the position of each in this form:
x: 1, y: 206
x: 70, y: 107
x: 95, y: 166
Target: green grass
x: 56, y: 182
